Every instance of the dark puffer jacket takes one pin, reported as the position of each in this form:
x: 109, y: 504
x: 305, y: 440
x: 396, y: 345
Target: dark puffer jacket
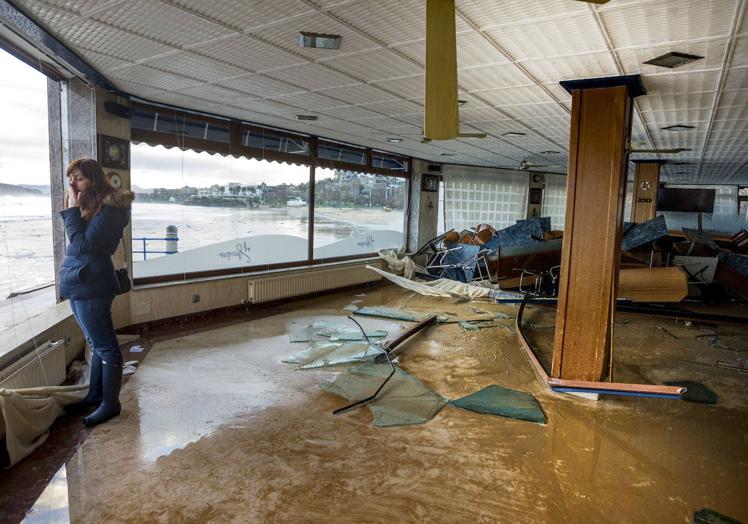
x: 87, y: 270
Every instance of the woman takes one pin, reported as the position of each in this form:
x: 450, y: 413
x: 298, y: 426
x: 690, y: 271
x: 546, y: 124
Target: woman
x: 95, y: 217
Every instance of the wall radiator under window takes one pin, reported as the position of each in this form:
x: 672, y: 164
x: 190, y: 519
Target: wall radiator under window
x: 44, y: 366
x: 268, y: 289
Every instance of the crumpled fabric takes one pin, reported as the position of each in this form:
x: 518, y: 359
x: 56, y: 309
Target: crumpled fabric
x: 404, y: 265
x: 29, y: 413
x: 442, y: 287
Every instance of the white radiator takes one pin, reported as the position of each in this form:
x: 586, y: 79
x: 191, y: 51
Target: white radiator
x: 43, y: 366
x: 294, y: 285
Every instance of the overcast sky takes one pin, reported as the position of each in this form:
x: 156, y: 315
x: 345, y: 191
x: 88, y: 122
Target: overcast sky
x: 24, y: 149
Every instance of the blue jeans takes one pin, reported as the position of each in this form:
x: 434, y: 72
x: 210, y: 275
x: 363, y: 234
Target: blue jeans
x: 94, y: 316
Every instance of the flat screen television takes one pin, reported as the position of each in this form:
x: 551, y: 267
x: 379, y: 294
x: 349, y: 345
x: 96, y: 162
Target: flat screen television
x: 686, y: 200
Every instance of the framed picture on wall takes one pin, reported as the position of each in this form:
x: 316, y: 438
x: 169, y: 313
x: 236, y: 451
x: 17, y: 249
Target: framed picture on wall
x: 430, y: 183
x: 114, y: 153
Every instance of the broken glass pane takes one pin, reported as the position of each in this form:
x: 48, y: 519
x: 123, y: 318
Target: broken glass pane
x: 404, y: 400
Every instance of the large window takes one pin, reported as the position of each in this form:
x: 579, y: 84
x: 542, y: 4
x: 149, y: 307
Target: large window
x: 196, y: 212
x: 357, y: 213
x: 26, y: 247
x: 217, y: 196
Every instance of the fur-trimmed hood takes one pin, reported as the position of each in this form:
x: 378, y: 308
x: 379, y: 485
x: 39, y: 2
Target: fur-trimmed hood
x: 119, y: 198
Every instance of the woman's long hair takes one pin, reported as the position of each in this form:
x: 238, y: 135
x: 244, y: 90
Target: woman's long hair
x: 91, y: 201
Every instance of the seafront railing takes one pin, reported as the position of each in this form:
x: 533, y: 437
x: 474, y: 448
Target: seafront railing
x: 170, y: 238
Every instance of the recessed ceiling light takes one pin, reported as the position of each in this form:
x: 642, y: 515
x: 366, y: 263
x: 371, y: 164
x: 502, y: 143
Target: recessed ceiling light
x: 394, y: 140
x: 673, y: 60
x: 514, y: 133
x: 307, y: 117
x: 677, y: 127
x: 319, y: 41
x: 449, y: 154
x: 550, y: 152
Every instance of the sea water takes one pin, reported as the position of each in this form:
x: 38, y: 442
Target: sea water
x: 26, y: 251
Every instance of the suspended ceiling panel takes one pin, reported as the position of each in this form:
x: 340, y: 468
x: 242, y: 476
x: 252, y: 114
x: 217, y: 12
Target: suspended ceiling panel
x: 241, y: 58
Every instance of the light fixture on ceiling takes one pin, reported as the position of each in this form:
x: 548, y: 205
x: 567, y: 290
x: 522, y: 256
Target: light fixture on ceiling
x: 394, y: 140
x: 677, y: 127
x: 319, y: 41
x: 309, y: 118
x: 514, y: 133
x: 448, y: 154
x: 461, y: 102
x: 673, y: 60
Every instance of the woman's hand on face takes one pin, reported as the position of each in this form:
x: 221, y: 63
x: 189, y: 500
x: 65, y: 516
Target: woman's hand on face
x: 72, y: 197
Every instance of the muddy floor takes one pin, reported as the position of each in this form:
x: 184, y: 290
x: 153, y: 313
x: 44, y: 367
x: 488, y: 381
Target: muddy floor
x: 216, y: 428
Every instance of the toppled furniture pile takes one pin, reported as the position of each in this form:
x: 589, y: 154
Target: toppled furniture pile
x: 656, y: 265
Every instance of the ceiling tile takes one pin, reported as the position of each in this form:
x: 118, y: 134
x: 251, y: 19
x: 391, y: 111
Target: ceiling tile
x: 312, y: 76
x: 491, y: 77
x: 150, y: 77
x: 674, y: 83
x: 514, y: 96
x: 248, y: 53
x: 162, y: 23
x: 589, y: 65
x: 485, y: 13
x: 247, y: 14
x: 406, y: 87
x: 550, y: 37
x: 90, y: 34
x: 375, y: 66
x: 648, y: 23
x: 194, y: 66
x: 737, y: 78
x: 260, y: 86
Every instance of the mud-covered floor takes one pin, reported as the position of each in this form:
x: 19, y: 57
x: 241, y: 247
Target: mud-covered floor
x: 216, y: 428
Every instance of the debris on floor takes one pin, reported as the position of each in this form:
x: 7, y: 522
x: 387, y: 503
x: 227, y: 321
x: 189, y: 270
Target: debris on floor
x: 404, y: 400
x: 332, y: 331
x: 695, y: 392
x: 709, y: 516
x: 504, y: 402
x: 324, y: 354
x: 476, y: 325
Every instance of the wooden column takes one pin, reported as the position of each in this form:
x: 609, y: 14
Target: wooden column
x: 595, y: 191
x: 646, y: 184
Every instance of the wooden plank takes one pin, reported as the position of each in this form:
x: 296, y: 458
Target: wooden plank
x: 441, y: 120
x: 600, y: 128
x: 646, y: 185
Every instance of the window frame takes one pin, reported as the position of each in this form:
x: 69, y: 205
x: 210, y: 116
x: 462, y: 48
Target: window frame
x: 235, y: 148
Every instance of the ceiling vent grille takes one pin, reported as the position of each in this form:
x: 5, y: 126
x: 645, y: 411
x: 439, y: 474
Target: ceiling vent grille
x: 673, y: 60
x: 678, y: 127
x: 319, y: 41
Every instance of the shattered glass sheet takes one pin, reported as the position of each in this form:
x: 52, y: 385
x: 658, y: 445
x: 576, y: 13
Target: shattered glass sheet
x: 394, y: 314
x: 404, y: 400
x: 476, y: 325
x: 635, y: 235
x: 495, y: 400
x: 323, y: 354
x: 333, y: 331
